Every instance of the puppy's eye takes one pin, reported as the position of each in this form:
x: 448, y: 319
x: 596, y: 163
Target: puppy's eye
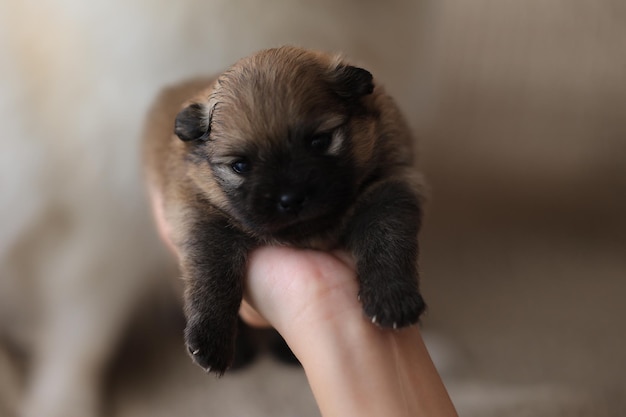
x: 241, y: 166
x: 321, y: 141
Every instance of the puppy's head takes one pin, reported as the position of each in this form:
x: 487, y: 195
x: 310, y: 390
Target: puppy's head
x: 279, y: 142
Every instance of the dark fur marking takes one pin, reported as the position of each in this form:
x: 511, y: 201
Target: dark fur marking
x: 326, y: 182
x: 213, y: 261
x: 382, y: 235
x: 353, y: 82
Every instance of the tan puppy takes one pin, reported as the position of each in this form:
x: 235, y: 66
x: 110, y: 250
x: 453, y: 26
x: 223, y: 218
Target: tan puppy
x: 289, y: 146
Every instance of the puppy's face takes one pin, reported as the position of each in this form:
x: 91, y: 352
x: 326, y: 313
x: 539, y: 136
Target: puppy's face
x: 274, y: 142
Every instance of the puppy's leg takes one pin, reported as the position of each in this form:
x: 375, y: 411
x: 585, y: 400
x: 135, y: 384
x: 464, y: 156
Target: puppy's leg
x: 382, y: 235
x: 213, y: 260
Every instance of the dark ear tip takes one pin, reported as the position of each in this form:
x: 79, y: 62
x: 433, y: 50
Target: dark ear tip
x: 355, y: 82
x: 365, y: 79
x: 190, y: 123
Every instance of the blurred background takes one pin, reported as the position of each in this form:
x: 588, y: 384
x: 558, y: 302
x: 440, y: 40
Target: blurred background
x: 520, y: 111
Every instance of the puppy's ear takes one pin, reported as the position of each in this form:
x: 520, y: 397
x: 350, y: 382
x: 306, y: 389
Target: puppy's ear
x: 192, y: 123
x: 352, y: 82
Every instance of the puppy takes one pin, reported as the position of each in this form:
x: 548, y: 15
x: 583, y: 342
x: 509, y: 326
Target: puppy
x: 287, y: 147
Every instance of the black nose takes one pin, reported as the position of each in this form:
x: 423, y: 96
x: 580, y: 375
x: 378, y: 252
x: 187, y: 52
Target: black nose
x: 291, y: 202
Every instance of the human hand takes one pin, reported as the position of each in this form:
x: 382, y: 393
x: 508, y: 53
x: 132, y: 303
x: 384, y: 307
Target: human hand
x: 290, y: 288
x: 354, y: 367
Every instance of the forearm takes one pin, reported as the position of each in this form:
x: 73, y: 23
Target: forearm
x: 358, y: 369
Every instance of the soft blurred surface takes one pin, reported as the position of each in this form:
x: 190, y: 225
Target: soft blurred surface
x: 520, y: 108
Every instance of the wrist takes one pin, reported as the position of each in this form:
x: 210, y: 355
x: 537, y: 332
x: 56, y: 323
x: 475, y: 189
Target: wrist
x: 362, y: 370
x: 355, y: 368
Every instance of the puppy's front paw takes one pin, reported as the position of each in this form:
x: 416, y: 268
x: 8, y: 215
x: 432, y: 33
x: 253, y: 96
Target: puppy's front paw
x: 392, y: 306
x: 210, y: 346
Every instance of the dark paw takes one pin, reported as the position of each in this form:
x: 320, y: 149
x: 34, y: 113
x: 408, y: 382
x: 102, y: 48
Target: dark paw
x: 211, y: 347
x: 394, y: 306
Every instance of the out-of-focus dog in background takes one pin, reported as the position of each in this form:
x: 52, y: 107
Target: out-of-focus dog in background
x: 519, y: 105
